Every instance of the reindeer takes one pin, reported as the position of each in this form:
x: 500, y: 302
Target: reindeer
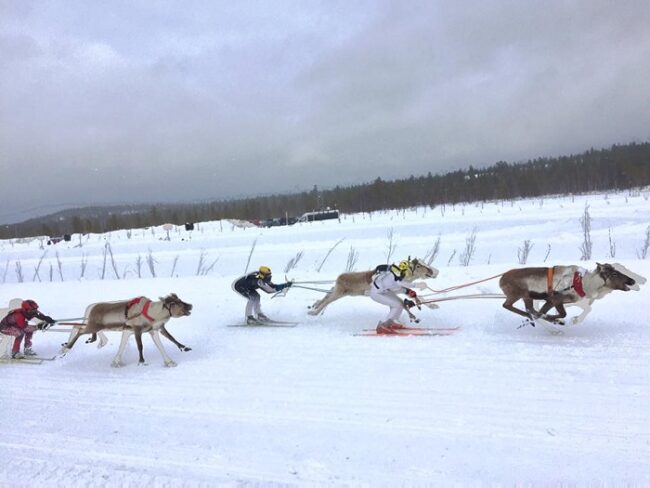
x: 134, y: 317
x: 564, y: 285
x: 358, y: 284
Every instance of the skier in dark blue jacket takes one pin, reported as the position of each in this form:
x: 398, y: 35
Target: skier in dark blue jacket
x: 247, y: 287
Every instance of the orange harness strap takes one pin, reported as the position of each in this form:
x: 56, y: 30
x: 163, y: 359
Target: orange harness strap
x: 549, y: 280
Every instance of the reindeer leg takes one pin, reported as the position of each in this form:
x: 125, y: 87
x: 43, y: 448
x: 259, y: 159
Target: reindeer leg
x: 169, y: 362
x: 585, y: 305
x: 138, y: 341
x: 530, y: 308
x: 509, y: 305
x: 166, y: 334
x: 117, y: 360
x: 74, y: 336
x: 103, y: 340
x: 320, y: 305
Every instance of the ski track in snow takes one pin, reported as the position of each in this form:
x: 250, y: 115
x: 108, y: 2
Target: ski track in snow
x: 315, y: 406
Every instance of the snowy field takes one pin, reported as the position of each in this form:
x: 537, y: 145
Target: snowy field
x: 315, y: 405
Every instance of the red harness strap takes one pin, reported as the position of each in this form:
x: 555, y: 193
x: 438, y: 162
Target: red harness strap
x: 577, y: 284
x: 145, y: 308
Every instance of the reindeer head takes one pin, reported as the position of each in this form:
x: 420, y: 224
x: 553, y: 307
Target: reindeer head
x: 613, y: 278
x: 422, y: 270
x: 176, y: 306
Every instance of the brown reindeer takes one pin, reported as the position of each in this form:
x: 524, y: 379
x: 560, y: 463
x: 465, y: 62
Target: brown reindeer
x: 564, y: 285
x: 358, y: 284
x: 134, y: 317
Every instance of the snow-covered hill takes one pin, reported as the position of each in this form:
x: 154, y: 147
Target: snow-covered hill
x: 314, y: 404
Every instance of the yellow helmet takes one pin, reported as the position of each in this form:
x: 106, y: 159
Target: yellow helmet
x: 405, y: 268
x: 264, y: 271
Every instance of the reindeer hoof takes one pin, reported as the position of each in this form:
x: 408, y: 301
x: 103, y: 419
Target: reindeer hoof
x: 142, y: 363
x: 186, y: 349
x: 312, y: 312
x: 117, y: 364
x: 170, y: 364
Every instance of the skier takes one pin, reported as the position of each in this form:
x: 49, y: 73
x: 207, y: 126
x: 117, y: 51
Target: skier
x: 386, y: 283
x: 16, y: 324
x: 247, y: 287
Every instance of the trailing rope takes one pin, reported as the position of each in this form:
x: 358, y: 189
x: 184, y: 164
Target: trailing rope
x: 321, y: 282
x: 462, y: 297
x: 310, y: 288
x: 464, y: 285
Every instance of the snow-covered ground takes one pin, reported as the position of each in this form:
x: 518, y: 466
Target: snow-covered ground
x: 315, y: 405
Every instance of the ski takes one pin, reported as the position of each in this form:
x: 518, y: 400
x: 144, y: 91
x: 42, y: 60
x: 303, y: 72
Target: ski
x: 265, y: 324
x: 280, y: 322
x: 407, y: 333
x: 429, y: 329
x: 21, y: 361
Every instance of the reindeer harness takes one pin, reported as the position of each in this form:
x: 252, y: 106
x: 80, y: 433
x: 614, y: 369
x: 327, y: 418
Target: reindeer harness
x: 576, y: 283
x: 144, y: 310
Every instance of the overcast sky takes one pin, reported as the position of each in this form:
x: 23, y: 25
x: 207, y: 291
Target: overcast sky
x: 140, y: 101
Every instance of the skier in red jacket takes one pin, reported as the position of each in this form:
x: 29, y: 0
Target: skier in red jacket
x: 16, y: 324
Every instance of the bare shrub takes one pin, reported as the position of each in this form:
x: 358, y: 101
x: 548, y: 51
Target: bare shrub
x: 199, y: 266
x: 19, y: 271
x: 612, y: 244
x: 59, y: 265
x: 391, y: 245
x: 432, y: 253
x: 353, y: 256
x: 250, y: 254
x: 103, y: 274
x: 470, y: 248
x: 524, y: 251
x: 293, y: 262
x: 204, y: 270
x: 451, y: 257
x: 548, y: 252
x: 585, y: 224
x: 38, y: 266
x: 643, y: 251
x: 174, y: 266
x: 152, y: 263
x: 84, y: 264
x: 138, y: 265
x: 110, y: 252
x: 328, y: 253
x: 4, y: 274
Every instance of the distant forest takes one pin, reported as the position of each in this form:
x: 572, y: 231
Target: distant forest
x: 617, y: 168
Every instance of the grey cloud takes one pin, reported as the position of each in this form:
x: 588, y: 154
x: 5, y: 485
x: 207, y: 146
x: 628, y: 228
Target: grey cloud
x: 245, y: 98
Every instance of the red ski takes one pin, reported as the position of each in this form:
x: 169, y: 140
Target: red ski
x: 416, y: 329
x: 409, y: 331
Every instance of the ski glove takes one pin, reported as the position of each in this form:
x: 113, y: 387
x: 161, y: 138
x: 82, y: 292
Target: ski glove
x: 282, y: 286
x: 411, y: 293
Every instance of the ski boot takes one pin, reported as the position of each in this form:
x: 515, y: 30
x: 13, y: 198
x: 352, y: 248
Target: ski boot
x: 28, y: 351
x: 385, y: 328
